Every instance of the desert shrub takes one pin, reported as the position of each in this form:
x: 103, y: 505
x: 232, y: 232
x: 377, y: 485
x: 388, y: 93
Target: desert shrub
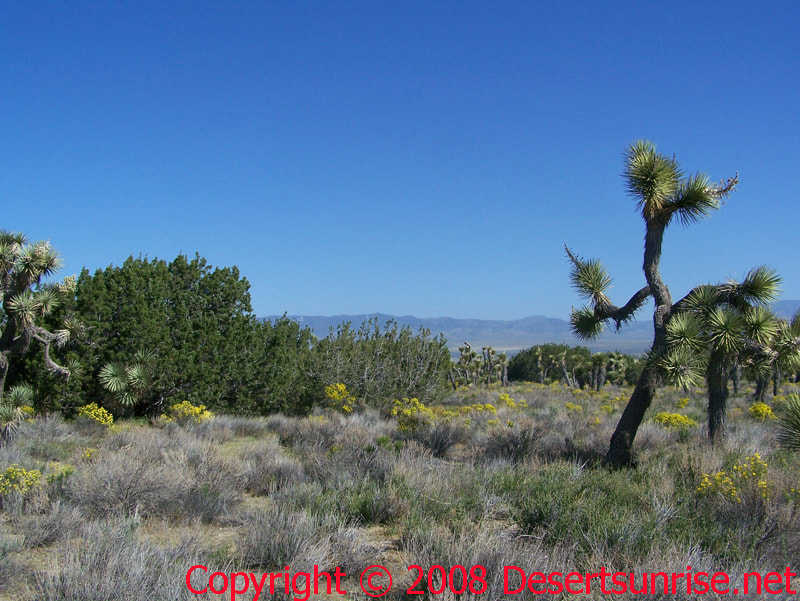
x: 761, y: 412
x: 215, y: 489
x: 352, y: 550
x: 339, y: 398
x: 116, y: 566
x: 49, y: 438
x: 18, y: 487
x: 255, y: 427
x: 62, y: 520
x: 123, y: 483
x: 184, y: 413
x: 370, y: 502
x: 674, y: 420
x: 150, y: 473
x: 277, y: 536
x: 93, y: 413
x: 8, y: 567
x: 747, y: 478
x: 316, y: 431
x: 440, y: 437
x: 516, y: 443
x: 589, y: 509
x: 487, y: 547
x: 411, y: 414
x: 379, y: 364
x: 266, y: 468
x: 215, y: 431
x: 357, y: 454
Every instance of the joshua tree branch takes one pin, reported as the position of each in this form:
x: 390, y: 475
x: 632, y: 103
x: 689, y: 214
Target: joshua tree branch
x: 47, y: 338
x: 622, y: 314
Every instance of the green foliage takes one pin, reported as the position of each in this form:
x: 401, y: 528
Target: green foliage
x: 748, y: 478
x: 380, y: 364
x: 191, y: 316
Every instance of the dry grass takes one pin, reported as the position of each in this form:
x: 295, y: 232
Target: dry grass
x: 517, y: 487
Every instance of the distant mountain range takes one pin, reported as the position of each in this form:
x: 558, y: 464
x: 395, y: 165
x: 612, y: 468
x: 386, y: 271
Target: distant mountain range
x: 513, y: 335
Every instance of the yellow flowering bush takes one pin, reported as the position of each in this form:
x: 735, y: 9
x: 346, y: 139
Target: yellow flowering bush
x: 339, y: 398
x: 411, y: 414
x: 93, y: 412
x: 185, y: 412
x: 719, y: 483
x: 16, y: 479
x: 681, y: 403
x: 505, y: 399
x: 674, y: 420
x: 753, y: 471
x: 750, y: 475
x: 573, y: 408
x: 761, y: 412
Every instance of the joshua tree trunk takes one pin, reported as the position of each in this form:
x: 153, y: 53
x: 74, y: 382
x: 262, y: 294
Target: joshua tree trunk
x: 761, y: 389
x: 3, y: 373
x: 619, y: 451
x: 717, y: 379
x: 736, y: 378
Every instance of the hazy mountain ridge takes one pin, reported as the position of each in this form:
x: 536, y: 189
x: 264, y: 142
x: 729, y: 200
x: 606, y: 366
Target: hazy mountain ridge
x: 511, y: 335
x: 505, y: 335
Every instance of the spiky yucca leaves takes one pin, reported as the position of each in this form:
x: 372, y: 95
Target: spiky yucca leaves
x: 591, y: 281
x: 662, y: 191
x: 129, y: 383
x: 25, y: 299
x: 789, y: 422
x: 15, y: 407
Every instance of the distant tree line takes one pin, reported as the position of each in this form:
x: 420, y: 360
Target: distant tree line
x: 573, y: 366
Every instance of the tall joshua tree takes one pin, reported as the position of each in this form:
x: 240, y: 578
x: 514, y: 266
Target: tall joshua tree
x: 663, y: 193
x: 25, y: 300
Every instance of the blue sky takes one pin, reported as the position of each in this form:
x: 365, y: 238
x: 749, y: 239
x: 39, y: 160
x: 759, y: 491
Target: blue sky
x: 426, y: 158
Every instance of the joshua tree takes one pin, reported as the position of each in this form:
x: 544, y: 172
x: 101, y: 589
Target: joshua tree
x: 25, y: 300
x: 715, y: 329
x: 663, y: 193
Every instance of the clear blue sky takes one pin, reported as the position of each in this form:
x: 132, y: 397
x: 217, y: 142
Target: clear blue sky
x: 427, y: 158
